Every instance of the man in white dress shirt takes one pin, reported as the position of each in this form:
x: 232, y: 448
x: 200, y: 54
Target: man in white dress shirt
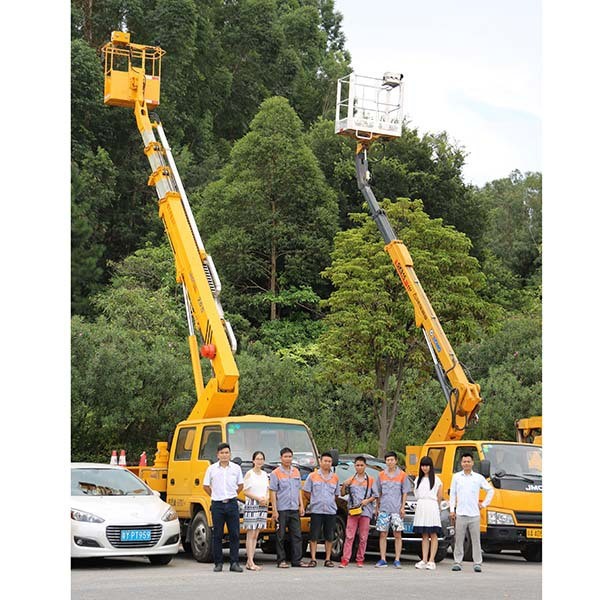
x: 465, y: 510
x: 223, y: 481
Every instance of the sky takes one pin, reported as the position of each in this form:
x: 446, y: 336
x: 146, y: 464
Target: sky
x: 471, y: 68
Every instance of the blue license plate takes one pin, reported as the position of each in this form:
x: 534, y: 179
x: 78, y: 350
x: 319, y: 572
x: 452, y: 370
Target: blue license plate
x: 408, y: 527
x: 135, y: 535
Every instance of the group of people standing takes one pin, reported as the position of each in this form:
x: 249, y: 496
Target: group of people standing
x: 383, y: 496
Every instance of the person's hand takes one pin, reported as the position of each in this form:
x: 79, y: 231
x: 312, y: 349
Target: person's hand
x: 480, y: 505
x: 365, y: 502
x: 402, y: 513
x: 263, y: 501
x: 302, y: 511
x: 348, y: 481
x: 275, y: 515
x: 452, y: 517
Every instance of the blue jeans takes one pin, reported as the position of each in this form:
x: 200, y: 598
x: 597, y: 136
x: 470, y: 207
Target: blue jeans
x: 226, y: 512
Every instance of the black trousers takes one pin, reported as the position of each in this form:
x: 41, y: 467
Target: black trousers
x: 226, y: 512
x: 289, y: 519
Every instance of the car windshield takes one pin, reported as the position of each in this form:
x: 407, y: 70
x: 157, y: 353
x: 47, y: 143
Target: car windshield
x: 106, y: 482
x: 521, y: 460
x: 270, y: 438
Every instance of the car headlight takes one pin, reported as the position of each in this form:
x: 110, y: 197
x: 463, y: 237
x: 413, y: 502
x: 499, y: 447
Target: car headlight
x: 499, y: 518
x: 170, y: 515
x: 86, y: 517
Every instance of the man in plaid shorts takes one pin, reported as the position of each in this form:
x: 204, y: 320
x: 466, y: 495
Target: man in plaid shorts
x: 390, y: 491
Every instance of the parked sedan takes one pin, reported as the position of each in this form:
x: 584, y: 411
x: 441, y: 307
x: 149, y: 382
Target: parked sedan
x: 411, y: 542
x: 114, y: 513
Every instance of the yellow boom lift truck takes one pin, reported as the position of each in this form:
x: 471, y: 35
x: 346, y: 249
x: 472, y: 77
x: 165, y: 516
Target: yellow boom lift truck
x: 367, y: 110
x: 132, y: 80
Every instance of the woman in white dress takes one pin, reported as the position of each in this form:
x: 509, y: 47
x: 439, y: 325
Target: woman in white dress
x: 256, y: 486
x: 428, y: 492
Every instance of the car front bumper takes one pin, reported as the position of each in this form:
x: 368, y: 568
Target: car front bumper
x: 90, y: 540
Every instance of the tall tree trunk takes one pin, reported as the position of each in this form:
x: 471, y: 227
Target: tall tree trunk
x: 87, y: 6
x: 388, y: 410
x: 273, y: 274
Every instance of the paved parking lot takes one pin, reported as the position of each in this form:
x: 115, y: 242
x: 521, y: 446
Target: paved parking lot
x: 505, y: 576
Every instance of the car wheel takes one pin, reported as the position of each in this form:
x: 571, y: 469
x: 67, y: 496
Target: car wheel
x: 201, y: 538
x: 532, y: 553
x: 160, y: 559
x: 339, y: 536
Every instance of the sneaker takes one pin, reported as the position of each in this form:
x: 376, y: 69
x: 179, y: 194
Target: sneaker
x: 477, y: 568
x: 420, y: 565
x: 430, y: 566
x: 360, y: 564
x: 343, y: 564
x: 456, y: 567
x: 397, y: 564
x: 381, y: 564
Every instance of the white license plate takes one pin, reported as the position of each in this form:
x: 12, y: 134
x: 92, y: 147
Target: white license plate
x: 136, y: 535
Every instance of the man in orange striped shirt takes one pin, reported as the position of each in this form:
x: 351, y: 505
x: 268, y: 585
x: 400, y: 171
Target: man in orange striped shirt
x: 323, y: 486
x: 390, y: 489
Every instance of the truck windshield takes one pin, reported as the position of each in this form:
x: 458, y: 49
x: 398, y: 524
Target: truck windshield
x: 522, y: 460
x: 270, y: 438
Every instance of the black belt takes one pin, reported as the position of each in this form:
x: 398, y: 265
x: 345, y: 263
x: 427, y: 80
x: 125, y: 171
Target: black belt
x: 225, y: 501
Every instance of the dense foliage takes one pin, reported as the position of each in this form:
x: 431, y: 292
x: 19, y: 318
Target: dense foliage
x: 326, y: 332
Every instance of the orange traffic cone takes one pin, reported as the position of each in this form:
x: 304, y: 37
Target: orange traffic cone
x: 122, y: 459
x: 143, y: 460
x: 113, y: 458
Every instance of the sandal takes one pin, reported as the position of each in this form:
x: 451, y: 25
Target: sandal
x: 328, y: 563
x: 283, y: 565
x: 312, y: 563
x: 252, y: 568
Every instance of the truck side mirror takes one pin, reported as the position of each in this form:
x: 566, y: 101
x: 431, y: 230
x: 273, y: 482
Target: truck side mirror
x: 484, y: 468
x: 335, y: 455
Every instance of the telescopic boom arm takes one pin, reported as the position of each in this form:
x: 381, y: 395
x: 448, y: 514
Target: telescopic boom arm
x: 132, y: 79
x: 462, y: 395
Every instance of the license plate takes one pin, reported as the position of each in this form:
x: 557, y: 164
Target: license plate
x: 534, y: 533
x: 408, y: 527
x: 135, y: 535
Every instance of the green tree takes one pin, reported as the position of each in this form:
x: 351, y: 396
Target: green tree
x: 514, y: 233
x: 508, y: 366
x: 271, y: 218
x: 93, y: 192
x: 131, y: 374
x: 370, y: 339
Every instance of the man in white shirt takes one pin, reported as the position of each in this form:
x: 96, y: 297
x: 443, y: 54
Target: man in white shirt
x: 465, y: 510
x: 223, y: 481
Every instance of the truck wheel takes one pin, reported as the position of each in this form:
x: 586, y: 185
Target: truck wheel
x: 160, y: 559
x: 532, y: 553
x: 339, y: 537
x: 201, y: 538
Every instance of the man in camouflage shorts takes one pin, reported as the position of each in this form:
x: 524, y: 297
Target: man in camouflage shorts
x: 390, y: 489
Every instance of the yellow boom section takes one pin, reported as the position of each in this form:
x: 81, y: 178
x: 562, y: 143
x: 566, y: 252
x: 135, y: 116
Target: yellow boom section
x: 132, y: 79
x: 464, y: 395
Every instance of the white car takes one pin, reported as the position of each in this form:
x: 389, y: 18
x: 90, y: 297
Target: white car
x: 114, y: 513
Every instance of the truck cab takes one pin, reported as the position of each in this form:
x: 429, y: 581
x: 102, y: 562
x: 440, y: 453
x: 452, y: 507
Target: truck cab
x: 513, y: 520
x: 194, y: 449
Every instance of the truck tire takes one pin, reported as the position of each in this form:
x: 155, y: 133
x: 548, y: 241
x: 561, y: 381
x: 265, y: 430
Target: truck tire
x: 339, y: 537
x: 160, y: 559
x: 201, y: 538
x: 532, y: 552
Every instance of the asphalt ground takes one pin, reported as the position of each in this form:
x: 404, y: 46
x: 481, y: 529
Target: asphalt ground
x: 505, y: 575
